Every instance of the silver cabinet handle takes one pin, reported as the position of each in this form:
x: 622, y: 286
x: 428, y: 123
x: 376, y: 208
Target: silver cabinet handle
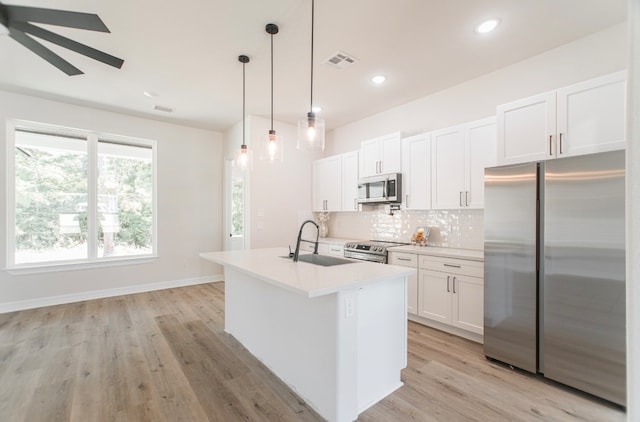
x: 460, y: 198
x: 550, y: 145
x: 355, y: 203
x: 448, y: 277
x: 561, y: 143
x: 466, y: 198
x: 381, y: 166
x: 403, y: 259
x: 407, y: 200
x: 454, y: 284
x: 451, y: 265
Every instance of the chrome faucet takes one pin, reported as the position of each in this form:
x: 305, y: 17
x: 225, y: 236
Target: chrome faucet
x: 315, y: 250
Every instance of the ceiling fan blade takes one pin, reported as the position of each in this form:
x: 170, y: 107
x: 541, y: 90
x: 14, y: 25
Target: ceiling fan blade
x: 70, y: 44
x: 66, y: 18
x: 44, y: 52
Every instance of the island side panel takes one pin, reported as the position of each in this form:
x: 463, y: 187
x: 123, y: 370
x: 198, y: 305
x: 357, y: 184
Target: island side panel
x: 292, y: 335
x: 382, y: 340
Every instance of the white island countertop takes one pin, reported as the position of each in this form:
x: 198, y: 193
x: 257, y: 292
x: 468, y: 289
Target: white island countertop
x: 300, y: 277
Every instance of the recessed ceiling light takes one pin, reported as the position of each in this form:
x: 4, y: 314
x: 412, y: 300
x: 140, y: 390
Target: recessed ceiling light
x: 316, y: 109
x: 378, y: 79
x: 150, y: 94
x: 487, y: 26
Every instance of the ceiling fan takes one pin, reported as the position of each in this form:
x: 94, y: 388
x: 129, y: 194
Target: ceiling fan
x: 15, y: 21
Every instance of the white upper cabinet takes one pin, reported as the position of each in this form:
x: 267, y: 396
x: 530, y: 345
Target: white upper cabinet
x: 580, y: 119
x: 591, y: 116
x: 416, y: 172
x: 480, y: 153
x: 459, y: 156
x: 448, y: 168
x: 327, y: 184
x: 350, y: 181
x: 381, y: 155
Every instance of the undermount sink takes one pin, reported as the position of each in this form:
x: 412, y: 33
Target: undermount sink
x: 323, y: 260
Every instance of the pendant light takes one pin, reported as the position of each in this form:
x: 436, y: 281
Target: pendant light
x: 311, y: 128
x: 272, y: 145
x: 243, y: 156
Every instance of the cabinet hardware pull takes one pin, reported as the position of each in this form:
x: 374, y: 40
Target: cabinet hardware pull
x: 407, y: 200
x: 448, y: 277
x: 454, y: 284
x: 355, y: 204
x: 561, y: 143
x: 380, y: 166
x: 451, y: 265
x: 550, y: 145
x: 404, y: 259
x: 466, y: 198
x: 460, y: 198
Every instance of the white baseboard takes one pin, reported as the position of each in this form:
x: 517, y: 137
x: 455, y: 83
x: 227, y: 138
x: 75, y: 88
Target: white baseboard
x: 99, y: 294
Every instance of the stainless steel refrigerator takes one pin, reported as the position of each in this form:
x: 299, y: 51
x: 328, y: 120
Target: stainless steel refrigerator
x: 555, y: 270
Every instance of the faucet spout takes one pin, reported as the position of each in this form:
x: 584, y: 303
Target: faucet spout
x: 315, y: 250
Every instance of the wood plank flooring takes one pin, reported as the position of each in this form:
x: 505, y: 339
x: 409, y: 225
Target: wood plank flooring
x: 164, y: 356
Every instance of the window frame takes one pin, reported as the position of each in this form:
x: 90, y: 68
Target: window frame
x: 92, y: 138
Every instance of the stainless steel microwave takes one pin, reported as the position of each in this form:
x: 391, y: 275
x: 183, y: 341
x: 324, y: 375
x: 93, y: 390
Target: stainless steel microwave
x: 382, y: 189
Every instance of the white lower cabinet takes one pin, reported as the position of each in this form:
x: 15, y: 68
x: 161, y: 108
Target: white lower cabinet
x: 408, y: 260
x: 451, y: 291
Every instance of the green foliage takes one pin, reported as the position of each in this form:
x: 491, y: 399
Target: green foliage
x: 52, y: 183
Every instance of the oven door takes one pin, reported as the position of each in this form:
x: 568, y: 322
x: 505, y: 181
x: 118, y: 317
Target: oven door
x: 364, y: 256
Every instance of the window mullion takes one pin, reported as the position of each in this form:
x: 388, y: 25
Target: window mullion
x: 92, y: 196
x: 11, y: 196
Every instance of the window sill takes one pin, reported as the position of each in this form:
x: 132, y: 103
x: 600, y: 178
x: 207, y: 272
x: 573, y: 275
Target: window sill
x: 48, y: 267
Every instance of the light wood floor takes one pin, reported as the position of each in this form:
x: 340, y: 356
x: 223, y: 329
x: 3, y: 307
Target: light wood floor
x: 163, y: 356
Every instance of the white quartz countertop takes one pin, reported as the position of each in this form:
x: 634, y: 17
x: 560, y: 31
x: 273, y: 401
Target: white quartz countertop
x: 470, y: 254
x: 308, y: 279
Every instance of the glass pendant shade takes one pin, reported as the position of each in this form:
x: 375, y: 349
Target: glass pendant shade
x: 311, y: 133
x: 271, y: 148
x: 243, y: 158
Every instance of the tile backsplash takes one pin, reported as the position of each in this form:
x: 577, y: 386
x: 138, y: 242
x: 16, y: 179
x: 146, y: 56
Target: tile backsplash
x: 449, y: 228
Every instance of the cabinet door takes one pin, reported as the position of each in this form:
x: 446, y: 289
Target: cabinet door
x: 390, y: 153
x: 448, y: 168
x: 591, y: 116
x: 327, y: 184
x: 468, y: 303
x: 416, y: 172
x: 408, y: 260
x: 480, y: 153
x: 350, y: 181
x: 526, y: 129
x: 369, y: 157
x: 434, y: 295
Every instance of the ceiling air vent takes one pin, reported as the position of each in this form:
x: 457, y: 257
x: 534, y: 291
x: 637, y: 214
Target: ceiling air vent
x: 162, y: 108
x: 340, y: 60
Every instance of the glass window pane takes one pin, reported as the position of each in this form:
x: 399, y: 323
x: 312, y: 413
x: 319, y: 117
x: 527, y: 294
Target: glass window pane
x: 125, y: 202
x: 51, y: 198
x: 237, y: 206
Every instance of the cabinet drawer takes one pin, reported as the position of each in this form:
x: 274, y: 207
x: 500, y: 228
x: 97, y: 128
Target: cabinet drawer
x: 306, y: 246
x: 335, y: 250
x: 452, y: 265
x: 403, y: 259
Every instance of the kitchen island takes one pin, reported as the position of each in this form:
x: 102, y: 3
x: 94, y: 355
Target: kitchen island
x: 336, y: 335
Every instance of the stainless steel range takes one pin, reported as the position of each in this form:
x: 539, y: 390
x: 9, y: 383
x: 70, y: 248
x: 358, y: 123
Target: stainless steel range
x: 370, y: 250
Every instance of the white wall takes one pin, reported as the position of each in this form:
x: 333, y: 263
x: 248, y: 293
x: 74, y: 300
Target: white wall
x: 589, y: 57
x: 189, y: 163
x: 279, y: 192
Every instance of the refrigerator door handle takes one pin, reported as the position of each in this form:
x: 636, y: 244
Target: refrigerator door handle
x: 448, y: 277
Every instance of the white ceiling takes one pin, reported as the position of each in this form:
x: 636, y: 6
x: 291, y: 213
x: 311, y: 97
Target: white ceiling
x: 187, y: 53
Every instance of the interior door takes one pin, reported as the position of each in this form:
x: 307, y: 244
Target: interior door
x: 235, y: 207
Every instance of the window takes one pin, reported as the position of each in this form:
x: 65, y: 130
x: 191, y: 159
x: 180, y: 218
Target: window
x: 79, y: 197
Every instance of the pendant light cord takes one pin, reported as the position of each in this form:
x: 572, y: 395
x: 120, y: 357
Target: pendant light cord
x: 271, y: 81
x: 312, y: 20
x: 243, y: 102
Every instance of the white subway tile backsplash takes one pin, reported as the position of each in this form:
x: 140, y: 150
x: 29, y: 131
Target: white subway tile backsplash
x: 449, y: 228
